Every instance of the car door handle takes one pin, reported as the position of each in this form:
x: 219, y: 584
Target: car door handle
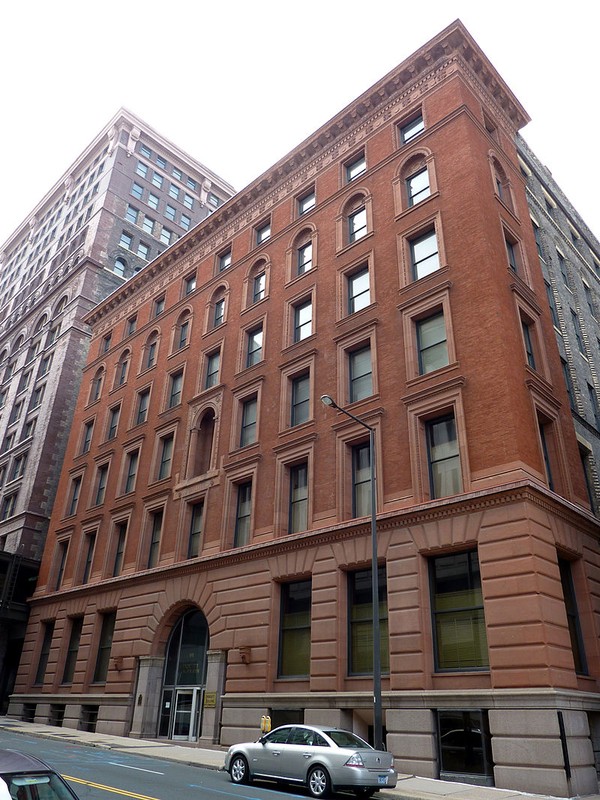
x: 276, y: 752
x: 307, y: 755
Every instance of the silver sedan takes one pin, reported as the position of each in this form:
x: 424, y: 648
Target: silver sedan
x: 323, y: 759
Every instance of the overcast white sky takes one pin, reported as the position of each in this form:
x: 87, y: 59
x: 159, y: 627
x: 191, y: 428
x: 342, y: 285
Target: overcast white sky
x: 237, y: 84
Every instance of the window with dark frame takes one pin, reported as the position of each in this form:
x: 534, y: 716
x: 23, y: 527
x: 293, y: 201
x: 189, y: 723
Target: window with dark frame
x: 295, y: 630
x: 166, y: 456
x: 300, y: 399
x: 259, y: 284
x: 89, y: 556
x: 62, y: 560
x: 101, y: 481
x: 443, y: 457
x: 464, y: 743
x: 298, y: 498
x: 213, y: 361
x: 175, y: 388
x: 360, y: 622
x: 156, y: 525
x: 263, y: 232
x: 528, y: 341
x: 359, y: 290
x: 72, y: 650
x: 104, y: 646
x: 195, y: 533
x: 254, y: 346
x: 120, y: 538
x: 410, y: 130
x: 460, y: 639
x: 356, y: 168
x: 357, y: 224
x: 219, y: 312
x: 113, y: 422
x: 248, y: 422
x: 361, y: 480
x: 142, y: 406
x: 243, y: 514
x: 307, y: 202
x: 417, y: 187
x: 75, y: 491
x: 424, y: 255
x: 304, y: 258
x: 360, y: 374
x: 575, y: 634
x: 44, y: 652
x: 224, y: 260
x: 432, y: 345
x: 133, y: 458
x: 302, y: 320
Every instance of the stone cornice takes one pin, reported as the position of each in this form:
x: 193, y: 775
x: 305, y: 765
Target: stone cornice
x: 450, y: 51
x: 519, y: 492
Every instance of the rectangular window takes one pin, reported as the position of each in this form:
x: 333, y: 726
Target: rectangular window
x: 512, y: 255
x: 9, y: 504
x: 545, y: 436
x: 460, y: 641
x: 113, y: 422
x: 464, y: 743
x: 357, y: 224
x: 188, y: 201
x: 360, y: 374
x: 527, y: 339
x: 578, y: 333
x: 304, y: 258
x: 165, y: 236
x: 424, y: 255
x: 157, y: 180
x: 72, y: 650
x: 263, y: 232
x: 248, y: 425
x: 302, y: 321
x: 417, y: 187
x: 170, y: 212
x: 195, y: 534
x: 552, y: 305
x: 213, y: 361
x: 142, y: 406
x: 307, y: 202
x: 131, y: 325
x: 148, y: 225
x: 189, y: 285
x: 101, y: 481
x: 126, y: 240
x: 300, y: 400
x: 360, y: 622
x: 361, y: 480
x: 568, y: 588
x: 359, y: 290
x: 155, y: 534
x: 224, y: 261
x: 412, y: 129
x: 104, y: 646
x: 75, y: 491
x: 356, y: 168
x: 242, y: 514
x: 131, y: 215
x: 18, y: 468
x: 153, y: 201
x: 137, y: 191
x: 44, y: 652
x: 61, y: 562
x: 166, y: 457
x: 141, y: 169
x: 185, y: 222
x: 89, y: 557
x: 133, y: 458
x: 120, y: 536
x: 173, y: 191
x: 298, y: 509
x: 143, y: 250
x: 175, y: 389
x: 219, y: 312
x: 294, y: 634
x: 254, y: 349
x: 183, y: 334
x: 443, y: 457
x: 431, y: 343
x: 159, y: 306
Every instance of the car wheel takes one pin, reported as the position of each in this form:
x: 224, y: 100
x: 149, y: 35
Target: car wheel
x: 238, y: 770
x: 318, y: 782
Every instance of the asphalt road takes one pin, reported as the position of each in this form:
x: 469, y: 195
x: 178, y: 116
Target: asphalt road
x: 99, y: 774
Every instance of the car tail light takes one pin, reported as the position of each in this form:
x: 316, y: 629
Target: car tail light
x: 355, y: 761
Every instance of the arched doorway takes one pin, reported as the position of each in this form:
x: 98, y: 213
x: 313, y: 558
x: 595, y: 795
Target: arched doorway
x: 184, y: 678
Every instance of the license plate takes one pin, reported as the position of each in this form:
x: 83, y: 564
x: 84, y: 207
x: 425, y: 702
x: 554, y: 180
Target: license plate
x: 382, y: 780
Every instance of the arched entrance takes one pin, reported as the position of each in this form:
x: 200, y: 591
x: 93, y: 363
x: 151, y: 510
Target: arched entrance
x: 184, y: 678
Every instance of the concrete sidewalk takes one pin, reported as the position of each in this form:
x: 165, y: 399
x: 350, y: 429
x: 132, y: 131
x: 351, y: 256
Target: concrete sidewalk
x: 410, y: 787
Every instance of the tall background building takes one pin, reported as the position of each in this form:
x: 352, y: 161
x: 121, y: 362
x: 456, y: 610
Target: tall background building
x: 122, y: 202
x: 209, y: 559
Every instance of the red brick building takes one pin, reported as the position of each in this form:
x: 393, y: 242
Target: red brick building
x: 210, y: 559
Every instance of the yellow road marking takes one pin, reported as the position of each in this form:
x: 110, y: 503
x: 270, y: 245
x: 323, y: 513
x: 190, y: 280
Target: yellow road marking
x: 110, y: 788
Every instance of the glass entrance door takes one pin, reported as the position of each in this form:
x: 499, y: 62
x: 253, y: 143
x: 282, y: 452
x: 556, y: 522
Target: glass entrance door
x: 186, y: 714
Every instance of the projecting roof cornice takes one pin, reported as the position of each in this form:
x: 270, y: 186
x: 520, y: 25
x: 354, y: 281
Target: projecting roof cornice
x: 450, y: 51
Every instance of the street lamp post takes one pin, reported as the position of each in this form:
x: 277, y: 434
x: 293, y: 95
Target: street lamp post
x: 377, y: 704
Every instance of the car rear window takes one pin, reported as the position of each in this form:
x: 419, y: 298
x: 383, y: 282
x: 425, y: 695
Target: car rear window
x: 347, y: 739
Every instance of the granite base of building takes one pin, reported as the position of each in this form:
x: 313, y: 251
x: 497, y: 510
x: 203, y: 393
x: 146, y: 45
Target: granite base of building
x: 542, y: 742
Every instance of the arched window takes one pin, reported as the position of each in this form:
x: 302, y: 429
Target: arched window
x: 122, y: 368
x: 120, y: 266
x: 96, y: 385
x: 217, y: 311
x: 17, y: 345
x: 501, y: 183
x: 355, y: 220
x: 201, y: 444
x: 302, y: 254
x: 257, y: 282
x: 40, y: 324
x: 150, y: 354
x: 62, y: 304
x: 182, y: 330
